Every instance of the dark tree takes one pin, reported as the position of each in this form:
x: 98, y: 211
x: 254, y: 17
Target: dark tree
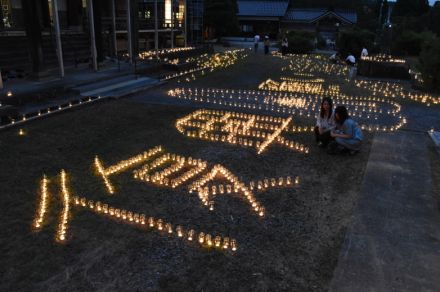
x: 435, y: 18
x: 221, y: 16
x: 410, y: 7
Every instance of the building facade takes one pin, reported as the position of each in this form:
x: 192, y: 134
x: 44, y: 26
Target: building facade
x: 107, y: 27
x: 274, y: 17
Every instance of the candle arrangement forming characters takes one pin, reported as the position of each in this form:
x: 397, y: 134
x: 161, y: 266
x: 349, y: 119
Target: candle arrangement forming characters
x: 242, y: 129
x: 161, y: 169
x: 373, y: 113
x: 208, y: 63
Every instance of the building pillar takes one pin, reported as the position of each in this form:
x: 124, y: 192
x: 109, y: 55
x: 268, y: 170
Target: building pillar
x: 33, y: 33
x: 56, y: 23
x: 92, y: 35
x: 172, y: 25
x: 1, y: 20
x: 129, y: 38
x: 156, y: 28
x: 185, y: 25
x: 115, y: 44
x: 132, y: 29
x: 98, y: 6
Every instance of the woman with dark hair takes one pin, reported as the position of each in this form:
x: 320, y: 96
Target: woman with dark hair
x: 348, y: 136
x: 325, y: 122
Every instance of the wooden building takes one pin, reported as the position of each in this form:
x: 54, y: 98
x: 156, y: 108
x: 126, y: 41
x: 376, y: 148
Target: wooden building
x: 33, y: 31
x: 273, y: 17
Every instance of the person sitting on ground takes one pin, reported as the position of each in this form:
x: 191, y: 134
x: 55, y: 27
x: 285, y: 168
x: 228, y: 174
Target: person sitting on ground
x: 348, y: 135
x: 351, y: 60
x: 325, y: 122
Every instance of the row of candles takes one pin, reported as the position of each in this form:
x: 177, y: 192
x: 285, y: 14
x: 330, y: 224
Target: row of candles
x: 259, y: 185
x: 142, y: 221
x: 396, y: 90
x: 163, y: 52
x: 300, y: 86
x: 297, y: 104
x: 138, y: 219
x: 252, y: 130
x: 49, y: 111
x: 383, y: 58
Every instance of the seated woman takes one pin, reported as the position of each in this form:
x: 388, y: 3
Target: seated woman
x: 348, y: 136
x: 325, y: 122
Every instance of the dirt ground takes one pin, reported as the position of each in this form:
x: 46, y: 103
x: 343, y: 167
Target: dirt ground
x: 294, y: 247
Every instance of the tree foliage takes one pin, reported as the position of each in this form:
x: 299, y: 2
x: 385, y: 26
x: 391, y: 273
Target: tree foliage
x: 300, y: 42
x: 410, y: 7
x: 411, y: 43
x: 434, y: 21
x: 221, y: 15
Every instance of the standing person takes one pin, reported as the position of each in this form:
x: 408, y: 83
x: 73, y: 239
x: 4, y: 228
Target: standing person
x: 284, y: 45
x: 256, y: 41
x: 348, y: 137
x: 266, y: 45
x: 325, y: 122
x: 364, y: 53
x: 351, y: 61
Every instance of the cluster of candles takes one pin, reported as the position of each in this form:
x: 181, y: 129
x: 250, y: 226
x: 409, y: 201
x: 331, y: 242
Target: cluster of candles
x: 396, y: 90
x: 50, y: 110
x: 42, y: 208
x: 123, y: 165
x: 302, y: 86
x: 236, y: 128
x: 163, y: 227
x: 149, y: 55
x: 296, y: 104
x: 196, y: 166
x: 311, y: 65
x: 210, y: 63
x: 238, y: 186
x: 383, y: 58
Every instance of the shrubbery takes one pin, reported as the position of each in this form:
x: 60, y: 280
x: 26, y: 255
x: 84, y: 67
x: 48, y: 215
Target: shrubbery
x: 300, y: 42
x: 430, y: 64
x: 410, y: 43
x: 353, y: 40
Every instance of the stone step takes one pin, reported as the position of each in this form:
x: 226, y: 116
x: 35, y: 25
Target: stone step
x: 120, y: 89
x: 104, y: 83
x: 393, y: 243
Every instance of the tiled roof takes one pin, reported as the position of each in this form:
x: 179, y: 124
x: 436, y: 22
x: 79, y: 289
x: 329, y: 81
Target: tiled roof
x: 262, y: 8
x: 310, y: 15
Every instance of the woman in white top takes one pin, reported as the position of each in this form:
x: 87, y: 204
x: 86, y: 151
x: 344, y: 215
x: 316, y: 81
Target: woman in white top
x: 325, y: 122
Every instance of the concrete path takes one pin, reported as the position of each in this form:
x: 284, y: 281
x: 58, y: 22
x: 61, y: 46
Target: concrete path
x: 394, y: 241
